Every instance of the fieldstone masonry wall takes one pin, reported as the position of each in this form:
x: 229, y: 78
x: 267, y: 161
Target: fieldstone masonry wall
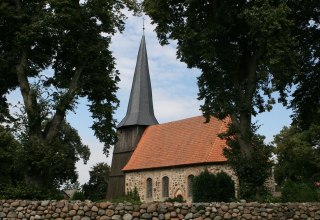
x: 178, y: 180
x: 77, y: 210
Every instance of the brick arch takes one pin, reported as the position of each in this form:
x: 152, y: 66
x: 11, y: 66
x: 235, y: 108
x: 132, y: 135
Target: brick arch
x: 179, y: 192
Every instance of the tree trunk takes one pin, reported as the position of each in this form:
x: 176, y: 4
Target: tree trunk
x: 244, y: 118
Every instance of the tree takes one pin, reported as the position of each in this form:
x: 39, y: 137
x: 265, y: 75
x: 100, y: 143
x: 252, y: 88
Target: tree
x: 297, y: 145
x: 97, y: 186
x: 64, y: 47
x: 306, y: 100
x: 298, y: 154
x: 9, y: 174
x: 246, y: 50
x: 50, y: 165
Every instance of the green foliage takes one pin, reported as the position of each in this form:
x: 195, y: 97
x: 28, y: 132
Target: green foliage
x: 252, y: 171
x: 78, y: 196
x: 9, y: 174
x: 268, y: 198
x: 132, y: 196
x: 208, y: 187
x: 299, y: 192
x: 175, y: 199
x: 204, y: 187
x: 51, y: 165
x: 225, y: 187
x: 55, y: 53
x: 96, y: 188
x: 306, y: 100
x: 298, y: 154
x: 30, y: 192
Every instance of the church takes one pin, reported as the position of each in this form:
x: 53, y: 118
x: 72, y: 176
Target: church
x: 161, y: 160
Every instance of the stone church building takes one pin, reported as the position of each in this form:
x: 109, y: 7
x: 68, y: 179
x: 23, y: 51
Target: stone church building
x: 161, y: 160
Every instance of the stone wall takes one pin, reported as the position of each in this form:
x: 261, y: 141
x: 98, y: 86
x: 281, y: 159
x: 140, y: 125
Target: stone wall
x: 178, y: 180
x: 77, y: 210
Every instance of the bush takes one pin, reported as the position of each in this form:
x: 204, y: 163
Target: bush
x: 24, y: 191
x: 175, y: 199
x: 132, y: 196
x: 208, y: 187
x: 225, y: 187
x: 78, y: 196
x: 299, y: 192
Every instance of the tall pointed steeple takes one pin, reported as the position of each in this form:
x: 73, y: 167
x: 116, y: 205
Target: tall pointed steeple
x: 139, y: 116
x: 140, y: 107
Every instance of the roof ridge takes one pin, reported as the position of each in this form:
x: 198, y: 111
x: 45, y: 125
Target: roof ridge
x: 184, y: 119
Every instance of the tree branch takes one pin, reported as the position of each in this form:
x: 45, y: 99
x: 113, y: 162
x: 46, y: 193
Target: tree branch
x: 53, y: 126
x: 29, y: 98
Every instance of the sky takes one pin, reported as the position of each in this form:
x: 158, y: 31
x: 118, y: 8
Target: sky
x: 174, y: 89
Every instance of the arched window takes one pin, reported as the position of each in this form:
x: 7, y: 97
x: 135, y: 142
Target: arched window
x: 190, y: 183
x: 165, y: 186
x: 149, y: 188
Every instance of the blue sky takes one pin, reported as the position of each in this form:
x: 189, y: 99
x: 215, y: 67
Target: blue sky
x: 174, y: 88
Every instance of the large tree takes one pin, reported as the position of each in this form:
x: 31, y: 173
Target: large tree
x: 63, y: 46
x: 246, y: 50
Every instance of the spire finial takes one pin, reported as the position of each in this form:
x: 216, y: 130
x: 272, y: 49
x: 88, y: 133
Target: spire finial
x: 143, y: 25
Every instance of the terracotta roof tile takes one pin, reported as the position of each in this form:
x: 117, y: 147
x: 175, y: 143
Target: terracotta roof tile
x: 187, y: 141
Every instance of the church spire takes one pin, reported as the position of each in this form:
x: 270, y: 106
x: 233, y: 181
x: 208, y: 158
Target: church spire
x: 140, y: 107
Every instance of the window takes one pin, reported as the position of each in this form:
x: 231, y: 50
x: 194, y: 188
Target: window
x: 165, y: 186
x: 149, y: 188
x: 190, y: 183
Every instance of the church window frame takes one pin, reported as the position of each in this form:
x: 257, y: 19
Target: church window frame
x: 149, y: 188
x: 165, y: 187
x: 190, y: 185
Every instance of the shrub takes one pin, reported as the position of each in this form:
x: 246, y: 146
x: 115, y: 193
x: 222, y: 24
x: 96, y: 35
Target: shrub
x: 175, y: 199
x: 203, y: 186
x: 225, y: 187
x: 24, y: 191
x: 299, y: 192
x: 133, y: 195
x: 78, y: 196
x: 208, y: 187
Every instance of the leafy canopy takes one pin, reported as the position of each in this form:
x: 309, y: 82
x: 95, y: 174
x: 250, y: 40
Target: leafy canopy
x: 56, y: 52
x: 71, y: 39
x: 244, y: 48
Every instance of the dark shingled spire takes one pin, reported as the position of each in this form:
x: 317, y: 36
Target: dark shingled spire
x: 140, y: 107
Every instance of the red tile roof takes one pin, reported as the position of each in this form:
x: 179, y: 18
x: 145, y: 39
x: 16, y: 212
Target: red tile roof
x: 183, y: 142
